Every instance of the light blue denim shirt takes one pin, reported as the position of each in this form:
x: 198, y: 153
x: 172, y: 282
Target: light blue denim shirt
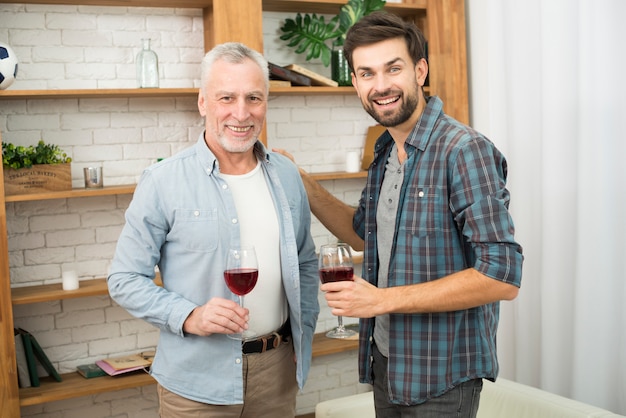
x: 182, y: 218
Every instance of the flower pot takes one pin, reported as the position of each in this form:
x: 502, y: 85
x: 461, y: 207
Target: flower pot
x: 38, y: 178
x: 339, y: 70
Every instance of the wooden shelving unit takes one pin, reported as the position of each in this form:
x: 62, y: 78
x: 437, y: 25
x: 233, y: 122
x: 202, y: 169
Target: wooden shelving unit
x: 443, y: 22
x: 74, y: 385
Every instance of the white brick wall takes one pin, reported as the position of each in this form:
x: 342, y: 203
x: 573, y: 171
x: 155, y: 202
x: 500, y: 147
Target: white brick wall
x: 94, y: 47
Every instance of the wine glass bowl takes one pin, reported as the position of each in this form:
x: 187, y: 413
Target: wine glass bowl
x: 241, y: 275
x: 335, y: 265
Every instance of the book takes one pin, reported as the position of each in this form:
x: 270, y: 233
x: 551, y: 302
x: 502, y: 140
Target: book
x: 90, y: 370
x: 316, y: 79
x: 43, y: 358
x: 280, y: 83
x: 30, y: 358
x: 281, y: 73
x: 23, y: 376
x: 118, y: 365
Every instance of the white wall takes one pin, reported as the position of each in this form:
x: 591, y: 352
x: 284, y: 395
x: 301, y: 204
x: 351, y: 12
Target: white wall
x: 66, y: 47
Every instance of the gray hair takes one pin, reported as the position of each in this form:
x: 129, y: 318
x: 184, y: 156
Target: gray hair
x: 234, y: 53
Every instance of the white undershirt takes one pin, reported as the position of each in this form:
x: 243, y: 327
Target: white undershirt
x: 258, y: 226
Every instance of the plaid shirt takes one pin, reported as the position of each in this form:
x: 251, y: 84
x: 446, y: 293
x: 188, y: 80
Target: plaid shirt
x: 452, y: 214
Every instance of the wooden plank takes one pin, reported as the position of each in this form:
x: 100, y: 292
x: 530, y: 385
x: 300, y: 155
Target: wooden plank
x: 74, y: 386
x: 49, y: 292
x: 323, y: 346
x: 97, y: 93
x: 234, y: 21
x: 9, y: 395
x: 447, y: 55
x: 338, y: 175
x: 105, y: 191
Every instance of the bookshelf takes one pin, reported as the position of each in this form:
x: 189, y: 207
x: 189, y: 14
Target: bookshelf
x: 443, y: 22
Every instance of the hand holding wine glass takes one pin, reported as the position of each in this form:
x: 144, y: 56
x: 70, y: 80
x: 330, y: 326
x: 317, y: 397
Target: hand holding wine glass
x: 335, y: 264
x: 241, y: 275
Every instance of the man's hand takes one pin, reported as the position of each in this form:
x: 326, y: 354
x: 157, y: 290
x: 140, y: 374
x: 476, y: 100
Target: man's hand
x: 356, y: 299
x: 217, y: 316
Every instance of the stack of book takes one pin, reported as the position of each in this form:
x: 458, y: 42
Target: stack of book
x: 29, y: 355
x: 119, y: 365
x: 299, y: 76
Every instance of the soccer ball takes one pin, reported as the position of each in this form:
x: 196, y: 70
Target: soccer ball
x: 8, y: 66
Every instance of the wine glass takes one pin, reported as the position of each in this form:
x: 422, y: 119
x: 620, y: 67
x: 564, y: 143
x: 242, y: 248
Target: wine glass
x: 335, y: 265
x: 241, y: 274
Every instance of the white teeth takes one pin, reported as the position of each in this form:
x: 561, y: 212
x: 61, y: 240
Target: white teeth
x: 385, y: 102
x: 238, y: 129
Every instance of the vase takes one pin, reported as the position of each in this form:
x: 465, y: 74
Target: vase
x: 147, y: 66
x: 339, y: 69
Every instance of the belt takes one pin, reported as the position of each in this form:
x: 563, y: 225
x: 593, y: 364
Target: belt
x: 267, y: 342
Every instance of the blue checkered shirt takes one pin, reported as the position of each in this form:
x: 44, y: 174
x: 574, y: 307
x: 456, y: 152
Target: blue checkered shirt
x: 452, y: 215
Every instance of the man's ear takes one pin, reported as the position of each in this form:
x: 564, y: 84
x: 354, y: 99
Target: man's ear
x: 421, y: 72
x: 201, y: 103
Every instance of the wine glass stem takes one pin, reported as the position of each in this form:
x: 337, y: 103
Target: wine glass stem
x: 340, y: 321
x: 241, y: 301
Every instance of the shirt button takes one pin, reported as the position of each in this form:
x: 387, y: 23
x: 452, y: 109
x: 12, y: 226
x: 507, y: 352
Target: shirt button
x: 421, y: 193
x: 196, y: 213
x: 224, y: 186
x: 238, y: 361
x: 234, y: 220
x: 390, y: 201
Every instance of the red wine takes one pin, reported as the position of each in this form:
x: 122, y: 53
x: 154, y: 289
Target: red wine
x: 241, y: 281
x: 336, y: 274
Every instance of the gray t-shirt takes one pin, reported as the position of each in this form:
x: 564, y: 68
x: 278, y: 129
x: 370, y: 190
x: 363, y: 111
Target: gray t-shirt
x: 386, y: 228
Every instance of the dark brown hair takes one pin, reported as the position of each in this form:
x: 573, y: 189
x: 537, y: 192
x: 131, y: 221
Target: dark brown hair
x: 381, y: 26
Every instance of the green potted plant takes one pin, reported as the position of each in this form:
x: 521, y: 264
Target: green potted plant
x: 319, y: 39
x: 35, y: 169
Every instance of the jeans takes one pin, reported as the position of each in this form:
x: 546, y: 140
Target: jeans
x: 459, y: 402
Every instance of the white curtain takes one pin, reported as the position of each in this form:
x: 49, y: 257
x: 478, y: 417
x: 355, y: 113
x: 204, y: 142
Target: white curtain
x: 548, y: 86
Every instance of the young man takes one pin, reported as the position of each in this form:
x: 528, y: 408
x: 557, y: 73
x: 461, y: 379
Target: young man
x: 438, y: 238
x: 187, y: 211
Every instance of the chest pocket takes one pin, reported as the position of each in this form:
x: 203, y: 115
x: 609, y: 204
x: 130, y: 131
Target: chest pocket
x: 195, y: 229
x: 424, y: 210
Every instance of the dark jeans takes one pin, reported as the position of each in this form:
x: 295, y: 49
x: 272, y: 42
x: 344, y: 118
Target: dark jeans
x: 460, y: 402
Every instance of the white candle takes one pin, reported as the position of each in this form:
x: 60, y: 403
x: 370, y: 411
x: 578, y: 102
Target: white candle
x: 353, y: 162
x: 70, y: 280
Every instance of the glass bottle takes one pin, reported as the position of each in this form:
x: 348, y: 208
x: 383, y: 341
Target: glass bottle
x: 339, y: 69
x: 147, y: 66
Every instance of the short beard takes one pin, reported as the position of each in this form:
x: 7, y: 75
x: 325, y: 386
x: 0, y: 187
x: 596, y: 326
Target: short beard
x: 236, y: 146
x: 391, y: 118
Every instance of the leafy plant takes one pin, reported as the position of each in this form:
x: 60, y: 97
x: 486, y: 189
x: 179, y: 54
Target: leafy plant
x: 18, y: 156
x: 312, y: 34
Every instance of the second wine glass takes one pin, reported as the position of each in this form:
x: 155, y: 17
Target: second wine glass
x: 335, y: 265
x: 241, y: 274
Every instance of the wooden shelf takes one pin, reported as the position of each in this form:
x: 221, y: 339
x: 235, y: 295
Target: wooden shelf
x: 291, y: 6
x: 154, y: 93
x: 338, y: 175
x: 49, y: 292
x: 323, y: 346
x: 130, y: 188
x: 333, y: 6
x: 104, y: 191
x: 74, y: 385
x: 97, y: 93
